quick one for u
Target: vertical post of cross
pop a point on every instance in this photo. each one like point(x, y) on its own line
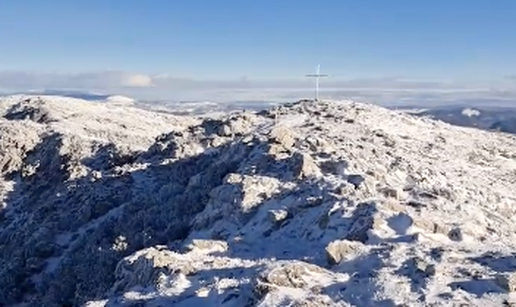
point(317, 75)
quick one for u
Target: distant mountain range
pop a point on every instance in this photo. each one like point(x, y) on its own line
point(64, 93)
point(488, 118)
point(476, 114)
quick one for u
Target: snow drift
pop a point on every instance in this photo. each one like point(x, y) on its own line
point(308, 204)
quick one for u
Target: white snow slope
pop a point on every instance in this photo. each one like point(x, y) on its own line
point(310, 204)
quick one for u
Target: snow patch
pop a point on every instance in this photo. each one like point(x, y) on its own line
point(470, 112)
point(120, 100)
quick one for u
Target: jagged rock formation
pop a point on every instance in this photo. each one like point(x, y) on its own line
point(327, 204)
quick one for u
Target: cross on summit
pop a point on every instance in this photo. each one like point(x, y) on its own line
point(317, 75)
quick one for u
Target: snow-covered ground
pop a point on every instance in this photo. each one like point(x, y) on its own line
point(309, 204)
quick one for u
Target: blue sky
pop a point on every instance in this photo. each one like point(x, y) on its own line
point(267, 39)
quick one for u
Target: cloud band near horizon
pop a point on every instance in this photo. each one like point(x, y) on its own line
point(115, 80)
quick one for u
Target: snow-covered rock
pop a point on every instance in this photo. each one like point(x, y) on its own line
point(340, 250)
point(307, 204)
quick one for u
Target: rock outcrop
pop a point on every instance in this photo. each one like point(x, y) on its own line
point(307, 204)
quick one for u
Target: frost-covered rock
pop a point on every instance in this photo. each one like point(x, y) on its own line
point(283, 136)
point(272, 284)
point(229, 127)
point(291, 274)
point(364, 219)
point(307, 204)
point(305, 167)
point(339, 250)
point(206, 246)
point(418, 268)
point(147, 268)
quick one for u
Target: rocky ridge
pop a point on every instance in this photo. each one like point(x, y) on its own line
point(307, 204)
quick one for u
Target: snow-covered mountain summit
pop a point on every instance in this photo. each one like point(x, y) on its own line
point(308, 204)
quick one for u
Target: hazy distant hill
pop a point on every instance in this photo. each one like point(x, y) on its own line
point(483, 117)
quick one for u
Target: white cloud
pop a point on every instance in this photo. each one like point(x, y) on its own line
point(136, 80)
point(387, 90)
point(20, 80)
point(106, 80)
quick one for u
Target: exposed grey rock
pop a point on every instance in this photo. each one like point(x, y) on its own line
point(455, 234)
point(305, 167)
point(298, 276)
point(291, 274)
point(417, 269)
point(206, 246)
point(283, 136)
point(506, 281)
point(390, 192)
point(433, 227)
point(30, 109)
point(146, 267)
point(364, 219)
point(393, 205)
point(355, 180)
point(339, 250)
point(346, 189)
point(336, 167)
point(321, 146)
point(228, 127)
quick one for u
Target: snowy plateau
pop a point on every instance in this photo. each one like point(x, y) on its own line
point(329, 203)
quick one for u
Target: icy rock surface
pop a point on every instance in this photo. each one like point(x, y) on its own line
point(308, 204)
